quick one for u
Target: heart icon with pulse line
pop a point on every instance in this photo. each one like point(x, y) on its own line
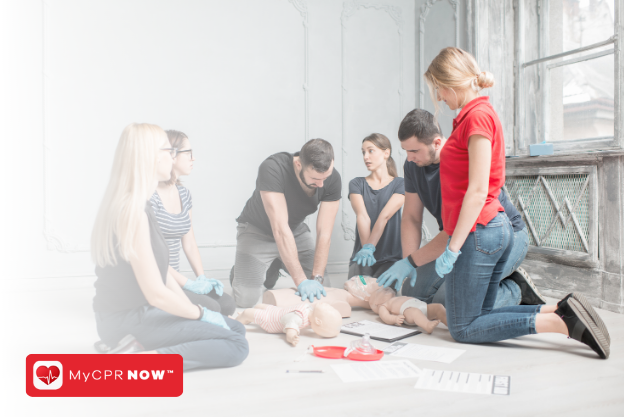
point(48, 374)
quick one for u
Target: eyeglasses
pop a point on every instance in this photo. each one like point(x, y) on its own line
point(172, 151)
point(190, 151)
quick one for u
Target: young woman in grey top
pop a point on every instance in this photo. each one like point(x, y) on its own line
point(377, 200)
point(173, 206)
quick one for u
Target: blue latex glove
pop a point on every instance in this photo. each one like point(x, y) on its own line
point(365, 256)
point(309, 289)
point(203, 285)
point(444, 264)
point(215, 318)
point(398, 272)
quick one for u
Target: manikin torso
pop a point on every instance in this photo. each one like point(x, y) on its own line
point(341, 300)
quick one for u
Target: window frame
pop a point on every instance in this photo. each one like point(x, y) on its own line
point(544, 63)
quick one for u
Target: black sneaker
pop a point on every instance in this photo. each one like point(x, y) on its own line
point(127, 345)
point(101, 347)
point(530, 293)
point(584, 324)
point(273, 273)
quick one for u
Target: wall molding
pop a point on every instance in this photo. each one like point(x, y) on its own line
point(424, 12)
point(350, 8)
point(55, 241)
point(302, 7)
point(53, 238)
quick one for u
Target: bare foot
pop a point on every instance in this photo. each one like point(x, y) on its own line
point(428, 327)
point(436, 312)
point(246, 316)
point(292, 336)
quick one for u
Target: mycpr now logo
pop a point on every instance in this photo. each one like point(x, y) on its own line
point(104, 375)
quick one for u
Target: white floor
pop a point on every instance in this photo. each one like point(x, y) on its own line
point(551, 375)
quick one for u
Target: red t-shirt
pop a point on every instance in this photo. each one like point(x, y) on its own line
point(476, 118)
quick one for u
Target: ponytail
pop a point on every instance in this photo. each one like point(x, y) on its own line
point(392, 169)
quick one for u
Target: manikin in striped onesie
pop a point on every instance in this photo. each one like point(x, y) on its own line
point(324, 319)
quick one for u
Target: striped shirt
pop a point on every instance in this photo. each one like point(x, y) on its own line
point(271, 318)
point(174, 226)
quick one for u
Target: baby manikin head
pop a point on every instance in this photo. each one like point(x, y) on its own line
point(325, 320)
point(361, 286)
point(380, 297)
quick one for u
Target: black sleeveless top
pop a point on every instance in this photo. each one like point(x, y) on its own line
point(116, 287)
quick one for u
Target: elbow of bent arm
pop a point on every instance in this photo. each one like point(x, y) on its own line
point(155, 297)
point(478, 195)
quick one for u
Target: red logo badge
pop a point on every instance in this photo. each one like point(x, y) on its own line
point(104, 375)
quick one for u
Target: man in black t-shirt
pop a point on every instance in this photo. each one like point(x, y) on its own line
point(289, 187)
point(422, 139)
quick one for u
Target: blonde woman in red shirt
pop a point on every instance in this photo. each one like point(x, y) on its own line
point(472, 172)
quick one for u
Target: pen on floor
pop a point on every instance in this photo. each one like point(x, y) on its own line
point(305, 372)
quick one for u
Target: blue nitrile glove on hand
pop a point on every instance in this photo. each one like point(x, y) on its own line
point(203, 285)
point(365, 256)
point(215, 318)
point(309, 289)
point(398, 272)
point(444, 264)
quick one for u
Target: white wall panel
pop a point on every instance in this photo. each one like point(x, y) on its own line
point(243, 78)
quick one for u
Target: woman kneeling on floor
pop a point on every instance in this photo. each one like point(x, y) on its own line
point(472, 172)
point(136, 298)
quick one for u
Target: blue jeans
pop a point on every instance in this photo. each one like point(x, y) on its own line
point(430, 288)
point(473, 283)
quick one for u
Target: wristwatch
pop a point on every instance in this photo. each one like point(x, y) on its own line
point(318, 278)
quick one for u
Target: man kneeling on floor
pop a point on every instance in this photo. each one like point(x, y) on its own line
point(289, 187)
point(422, 139)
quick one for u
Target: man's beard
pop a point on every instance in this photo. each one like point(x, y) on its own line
point(432, 154)
point(311, 187)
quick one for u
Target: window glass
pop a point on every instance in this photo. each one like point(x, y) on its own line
point(581, 97)
point(580, 23)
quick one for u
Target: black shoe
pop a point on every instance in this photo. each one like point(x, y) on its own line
point(528, 290)
point(584, 324)
point(127, 345)
point(101, 347)
point(580, 298)
point(273, 273)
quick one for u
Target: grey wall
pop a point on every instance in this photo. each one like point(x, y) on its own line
point(243, 78)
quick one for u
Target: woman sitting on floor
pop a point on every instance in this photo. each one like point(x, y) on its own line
point(137, 299)
point(377, 200)
point(173, 206)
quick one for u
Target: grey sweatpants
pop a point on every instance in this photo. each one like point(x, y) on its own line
point(255, 251)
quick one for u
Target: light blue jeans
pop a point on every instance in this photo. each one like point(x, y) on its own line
point(473, 283)
point(430, 288)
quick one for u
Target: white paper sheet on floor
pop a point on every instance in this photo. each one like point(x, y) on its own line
point(376, 371)
point(464, 382)
point(422, 352)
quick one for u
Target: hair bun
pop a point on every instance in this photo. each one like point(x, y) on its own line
point(485, 80)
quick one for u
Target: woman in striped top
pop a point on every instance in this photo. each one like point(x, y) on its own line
point(172, 204)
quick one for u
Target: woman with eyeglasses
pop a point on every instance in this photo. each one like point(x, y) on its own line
point(139, 306)
point(173, 206)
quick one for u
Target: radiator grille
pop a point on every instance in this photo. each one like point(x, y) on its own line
point(555, 209)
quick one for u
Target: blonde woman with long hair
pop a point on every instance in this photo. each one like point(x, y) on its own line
point(472, 172)
point(138, 304)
